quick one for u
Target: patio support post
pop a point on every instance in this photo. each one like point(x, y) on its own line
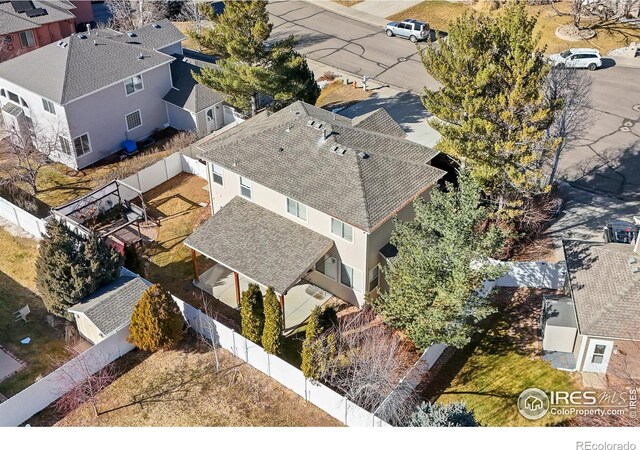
point(236, 280)
point(282, 308)
point(194, 259)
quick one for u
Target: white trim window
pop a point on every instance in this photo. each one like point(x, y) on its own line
point(374, 278)
point(328, 266)
point(350, 277)
point(216, 174)
point(133, 85)
point(344, 230)
point(82, 145)
point(245, 188)
point(14, 97)
point(297, 209)
point(49, 106)
point(27, 39)
point(65, 145)
point(133, 120)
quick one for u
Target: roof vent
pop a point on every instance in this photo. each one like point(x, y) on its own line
point(288, 128)
point(95, 42)
point(140, 56)
point(363, 155)
point(62, 44)
point(310, 122)
point(131, 34)
point(81, 36)
point(281, 149)
point(156, 25)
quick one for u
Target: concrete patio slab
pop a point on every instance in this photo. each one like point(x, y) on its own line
point(8, 365)
point(298, 302)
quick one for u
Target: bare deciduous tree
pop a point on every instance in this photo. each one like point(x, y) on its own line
point(599, 10)
point(127, 15)
point(86, 382)
point(367, 362)
point(573, 89)
point(26, 150)
point(208, 334)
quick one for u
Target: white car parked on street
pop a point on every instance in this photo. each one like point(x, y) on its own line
point(577, 58)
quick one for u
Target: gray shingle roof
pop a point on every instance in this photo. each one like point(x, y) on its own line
point(111, 306)
point(369, 178)
point(259, 243)
point(156, 35)
point(12, 21)
point(82, 66)
point(381, 122)
point(188, 93)
point(605, 289)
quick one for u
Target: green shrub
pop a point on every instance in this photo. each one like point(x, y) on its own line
point(437, 415)
point(156, 323)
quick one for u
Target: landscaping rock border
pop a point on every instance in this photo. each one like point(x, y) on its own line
point(571, 33)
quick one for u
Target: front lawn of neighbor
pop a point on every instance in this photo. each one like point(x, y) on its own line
point(17, 289)
point(609, 36)
point(181, 388)
point(491, 372)
point(336, 94)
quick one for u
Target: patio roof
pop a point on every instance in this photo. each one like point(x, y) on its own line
point(260, 244)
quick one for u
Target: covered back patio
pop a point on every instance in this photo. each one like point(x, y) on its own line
point(251, 244)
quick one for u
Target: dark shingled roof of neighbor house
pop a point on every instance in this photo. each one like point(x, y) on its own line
point(12, 21)
point(605, 285)
point(358, 175)
point(188, 93)
point(154, 36)
point(111, 306)
point(259, 243)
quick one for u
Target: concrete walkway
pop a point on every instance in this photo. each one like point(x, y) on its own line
point(384, 8)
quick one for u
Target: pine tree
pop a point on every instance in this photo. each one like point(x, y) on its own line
point(272, 333)
point(249, 65)
point(61, 270)
point(156, 323)
point(491, 111)
point(441, 264)
point(252, 313)
point(436, 415)
point(103, 262)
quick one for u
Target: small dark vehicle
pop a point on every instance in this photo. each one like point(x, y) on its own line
point(620, 231)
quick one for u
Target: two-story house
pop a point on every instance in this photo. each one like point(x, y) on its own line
point(28, 25)
point(93, 91)
point(303, 200)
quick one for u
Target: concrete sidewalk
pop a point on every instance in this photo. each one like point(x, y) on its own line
point(384, 8)
point(351, 13)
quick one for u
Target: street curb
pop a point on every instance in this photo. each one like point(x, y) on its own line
point(622, 61)
point(360, 16)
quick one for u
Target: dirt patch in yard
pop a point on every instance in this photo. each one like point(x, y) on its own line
point(339, 95)
point(182, 388)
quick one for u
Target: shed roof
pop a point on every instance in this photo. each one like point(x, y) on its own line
point(111, 306)
point(260, 244)
point(605, 285)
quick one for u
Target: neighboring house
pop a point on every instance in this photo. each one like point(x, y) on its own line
point(597, 328)
point(28, 25)
point(109, 308)
point(83, 11)
point(306, 197)
point(92, 91)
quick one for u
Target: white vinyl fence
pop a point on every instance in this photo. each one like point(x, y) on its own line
point(28, 222)
point(321, 396)
point(35, 398)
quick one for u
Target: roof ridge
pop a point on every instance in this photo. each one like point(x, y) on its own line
point(65, 83)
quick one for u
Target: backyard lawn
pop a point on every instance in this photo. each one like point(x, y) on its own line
point(609, 36)
point(182, 388)
point(17, 289)
point(490, 373)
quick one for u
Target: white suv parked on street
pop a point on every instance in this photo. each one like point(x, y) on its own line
point(577, 58)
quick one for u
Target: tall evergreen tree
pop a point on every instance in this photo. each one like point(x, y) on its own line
point(61, 271)
point(103, 261)
point(441, 264)
point(310, 346)
point(249, 65)
point(272, 333)
point(491, 109)
point(436, 415)
point(252, 313)
point(156, 322)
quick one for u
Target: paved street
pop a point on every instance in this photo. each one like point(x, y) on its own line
point(603, 167)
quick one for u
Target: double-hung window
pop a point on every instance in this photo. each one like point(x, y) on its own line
point(598, 354)
point(344, 230)
point(81, 145)
point(350, 277)
point(14, 97)
point(374, 277)
point(65, 146)
point(245, 188)
point(216, 174)
point(133, 84)
point(27, 39)
point(296, 209)
point(328, 266)
point(49, 106)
